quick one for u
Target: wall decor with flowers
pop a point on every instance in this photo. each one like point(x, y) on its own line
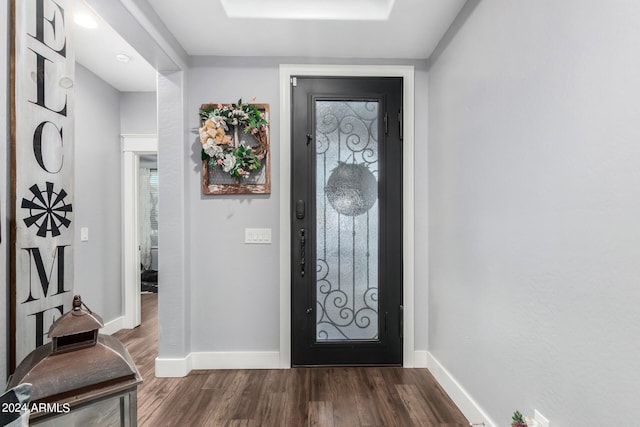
point(235, 148)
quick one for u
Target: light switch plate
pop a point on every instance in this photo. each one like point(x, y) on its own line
point(84, 234)
point(257, 236)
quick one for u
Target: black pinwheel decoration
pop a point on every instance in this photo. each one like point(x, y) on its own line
point(47, 210)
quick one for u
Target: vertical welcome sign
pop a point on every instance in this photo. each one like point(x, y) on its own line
point(42, 131)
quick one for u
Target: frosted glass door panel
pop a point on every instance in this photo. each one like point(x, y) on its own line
point(347, 220)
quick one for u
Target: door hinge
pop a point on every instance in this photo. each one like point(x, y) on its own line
point(294, 81)
point(400, 120)
point(401, 321)
point(386, 123)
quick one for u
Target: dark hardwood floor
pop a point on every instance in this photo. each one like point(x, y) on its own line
point(332, 396)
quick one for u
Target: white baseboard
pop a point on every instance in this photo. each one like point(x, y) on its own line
point(169, 368)
point(113, 326)
point(236, 360)
point(457, 393)
point(217, 360)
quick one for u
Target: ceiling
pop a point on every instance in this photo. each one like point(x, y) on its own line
point(97, 48)
point(381, 29)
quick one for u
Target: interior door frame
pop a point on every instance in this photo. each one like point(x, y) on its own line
point(287, 72)
point(133, 146)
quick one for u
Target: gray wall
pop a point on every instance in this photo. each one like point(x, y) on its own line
point(235, 287)
point(534, 208)
point(226, 292)
point(4, 186)
point(138, 113)
point(174, 278)
point(97, 199)
point(421, 210)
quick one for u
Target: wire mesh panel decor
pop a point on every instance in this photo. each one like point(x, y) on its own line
point(236, 143)
point(347, 220)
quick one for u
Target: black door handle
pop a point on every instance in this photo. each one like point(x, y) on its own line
point(303, 243)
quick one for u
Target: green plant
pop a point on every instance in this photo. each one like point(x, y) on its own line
point(518, 420)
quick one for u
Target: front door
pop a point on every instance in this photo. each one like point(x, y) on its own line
point(346, 221)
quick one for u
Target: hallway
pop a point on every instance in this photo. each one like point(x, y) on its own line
point(332, 396)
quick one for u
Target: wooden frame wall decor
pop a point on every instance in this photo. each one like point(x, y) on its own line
point(214, 179)
point(42, 170)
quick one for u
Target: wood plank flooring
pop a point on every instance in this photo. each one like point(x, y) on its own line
point(331, 396)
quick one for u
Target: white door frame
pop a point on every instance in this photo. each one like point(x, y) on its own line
point(407, 73)
point(133, 146)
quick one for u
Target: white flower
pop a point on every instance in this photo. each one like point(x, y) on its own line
point(207, 145)
point(220, 121)
point(228, 163)
point(212, 149)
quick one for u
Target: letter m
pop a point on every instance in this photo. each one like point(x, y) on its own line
point(45, 277)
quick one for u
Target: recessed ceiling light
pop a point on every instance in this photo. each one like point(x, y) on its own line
point(122, 57)
point(85, 21)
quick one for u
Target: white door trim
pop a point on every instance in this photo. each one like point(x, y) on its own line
point(286, 73)
point(132, 147)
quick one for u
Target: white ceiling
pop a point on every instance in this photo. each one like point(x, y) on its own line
point(413, 29)
point(96, 49)
point(293, 29)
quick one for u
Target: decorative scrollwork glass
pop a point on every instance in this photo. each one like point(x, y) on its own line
point(347, 220)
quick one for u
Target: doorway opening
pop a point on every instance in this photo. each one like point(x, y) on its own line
point(136, 150)
point(148, 225)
